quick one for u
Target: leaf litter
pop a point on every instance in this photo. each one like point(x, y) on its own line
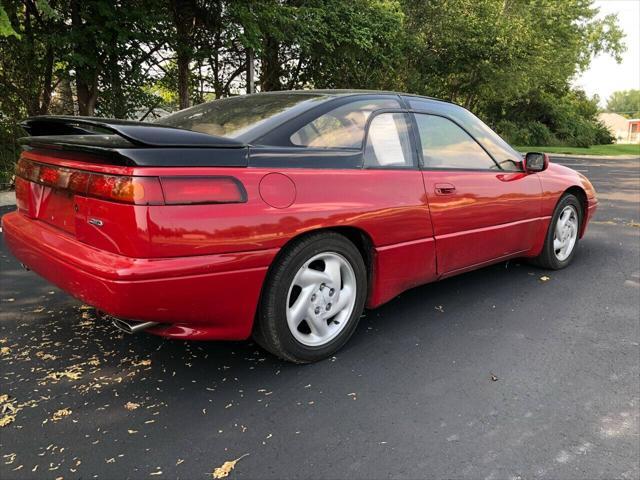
point(225, 469)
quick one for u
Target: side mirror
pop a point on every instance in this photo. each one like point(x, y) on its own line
point(535, 162)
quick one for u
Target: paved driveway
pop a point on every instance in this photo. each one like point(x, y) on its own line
point(411, 396)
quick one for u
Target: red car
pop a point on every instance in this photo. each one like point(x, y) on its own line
point(281, 215)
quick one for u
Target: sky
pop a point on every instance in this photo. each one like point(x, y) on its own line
point(604, 75)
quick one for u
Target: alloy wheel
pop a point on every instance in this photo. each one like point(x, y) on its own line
point(321, 298)
point(565, 233)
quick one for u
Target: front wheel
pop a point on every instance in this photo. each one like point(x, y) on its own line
point(562, 237)
point(312, 299)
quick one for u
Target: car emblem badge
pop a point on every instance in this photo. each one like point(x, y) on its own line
point(96, 222)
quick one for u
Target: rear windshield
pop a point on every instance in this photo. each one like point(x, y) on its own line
point(237, 116)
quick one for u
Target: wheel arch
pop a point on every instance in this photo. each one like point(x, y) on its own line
point(358, 236)
point(581, 195)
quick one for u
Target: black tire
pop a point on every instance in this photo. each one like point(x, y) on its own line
point(271, 330)
point(547, 258)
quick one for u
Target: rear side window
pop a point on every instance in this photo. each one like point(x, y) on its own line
point(342, 127)
point(446, 145)
point(388, 142)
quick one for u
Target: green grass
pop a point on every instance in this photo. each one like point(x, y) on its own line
point(615, 149)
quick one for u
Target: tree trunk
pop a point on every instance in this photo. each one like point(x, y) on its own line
point(184, 16)
point(87, 97)
point(271, 68)
point(250, 72)
point(86, 75)
point(118, 102)
point(63, 103)
point(183, 79)
point(47, 83)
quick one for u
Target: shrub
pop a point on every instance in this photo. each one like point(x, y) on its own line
point(539, 134)
point(603, 135)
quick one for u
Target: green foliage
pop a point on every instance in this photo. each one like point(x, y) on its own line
point(6, 29)
point(625, 102)
point(548, 119)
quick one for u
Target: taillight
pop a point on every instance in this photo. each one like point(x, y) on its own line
point(192, 190)
point(125, 189)
point(117, 188)
point(133, 189)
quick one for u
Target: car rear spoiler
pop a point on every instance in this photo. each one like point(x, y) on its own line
point(137, 133)
point(124, 142)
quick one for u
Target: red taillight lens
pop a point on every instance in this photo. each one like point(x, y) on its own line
point(78, 182)
point(117, 188)
point(192, 190)
point(48, 176)
point(137, 190)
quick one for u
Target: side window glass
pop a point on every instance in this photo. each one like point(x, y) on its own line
point(342, 127)
point(388, 142)
point(446, 145)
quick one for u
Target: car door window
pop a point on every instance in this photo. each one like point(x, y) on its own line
point(388, 142)
point(446, 145)
point(342, 127)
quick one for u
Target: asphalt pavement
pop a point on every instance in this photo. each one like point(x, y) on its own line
point(496, 374)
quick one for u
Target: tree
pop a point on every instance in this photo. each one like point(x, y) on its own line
point(625, 102)
point(110, 45)
point(326, 43)
point(6, 29)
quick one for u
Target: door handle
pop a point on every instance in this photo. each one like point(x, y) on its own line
point(445, 189)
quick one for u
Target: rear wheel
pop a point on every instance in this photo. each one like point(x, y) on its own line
point(312, 299)
point(562, 237)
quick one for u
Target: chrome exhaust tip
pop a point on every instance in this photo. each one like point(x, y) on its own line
point(131, 327)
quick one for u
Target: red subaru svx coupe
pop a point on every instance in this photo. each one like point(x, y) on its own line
point(281, 215)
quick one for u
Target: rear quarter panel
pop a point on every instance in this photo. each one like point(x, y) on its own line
point(388, 205)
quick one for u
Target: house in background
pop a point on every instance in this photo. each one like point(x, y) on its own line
point(623, 129)
point(634, 130)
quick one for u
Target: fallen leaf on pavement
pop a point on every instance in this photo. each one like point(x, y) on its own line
point(73, 373)
point(142, 363)
point(45, 356)
point(544, 278)
point(6, 420)
point(225, 469)
point(60, 414)
point(131, 405)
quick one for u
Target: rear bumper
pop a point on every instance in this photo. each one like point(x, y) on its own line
point(203, 297)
